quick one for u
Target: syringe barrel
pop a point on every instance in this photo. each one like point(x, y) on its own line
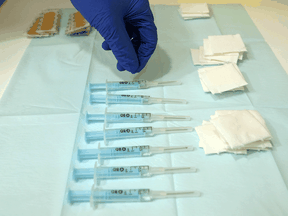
point(121, 172)
point(119, 99)
point(127, 117)
point(121, 133)
point(119, 195)
point(113, 153)
point(124, 117)
point(116, 86)
point(127, 99)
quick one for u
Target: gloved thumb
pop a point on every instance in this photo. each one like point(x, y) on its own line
point(105, 46)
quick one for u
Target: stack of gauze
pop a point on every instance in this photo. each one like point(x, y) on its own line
point(194, 10)
point(219, 49)
point(234, 131)
point(218, 79)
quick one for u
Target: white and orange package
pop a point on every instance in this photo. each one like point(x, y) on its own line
point(78, 25)
point(45, 25)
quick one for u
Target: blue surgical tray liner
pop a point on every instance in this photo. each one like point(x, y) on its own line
point(231, 185)
point(35, 154)
point(39, 115)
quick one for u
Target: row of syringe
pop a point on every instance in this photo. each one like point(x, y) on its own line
point(126, 117)
point(96, 195)
point(129, 99)
point(111, 153)
point(99, 173)
point(132, 132)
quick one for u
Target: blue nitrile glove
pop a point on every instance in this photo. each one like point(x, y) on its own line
point(127, 27)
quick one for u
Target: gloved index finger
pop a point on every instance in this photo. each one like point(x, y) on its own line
point(147, 34)
point(112, 28)
point(148, 43)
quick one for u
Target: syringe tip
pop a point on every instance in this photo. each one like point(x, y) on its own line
point(184, 194)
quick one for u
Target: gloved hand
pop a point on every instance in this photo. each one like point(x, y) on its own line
point(127, 27)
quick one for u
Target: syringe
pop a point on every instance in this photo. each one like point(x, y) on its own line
point(98, 196)
point(133, 132)
point(103, 173)
point(132, 99)
point(127, 152)
point(126, 117)
point(129, 85)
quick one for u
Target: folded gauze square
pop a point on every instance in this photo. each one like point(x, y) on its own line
point(255, 113)
point(258, 145)
point(194, 16)
point(199, 60)
point(206, 89)
point(219, 79)
point(210, 137)
point(194, 8)
point(207, 48)
point(240, 128)
point(228, 58)
point(212, 142)
point(206, 61)
point(226, 44)
point(224, 57)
